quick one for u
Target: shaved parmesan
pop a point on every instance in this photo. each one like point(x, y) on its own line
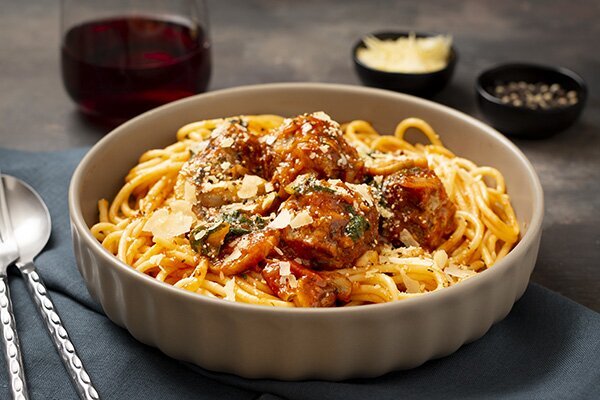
point(440, 258)
point(322, 116)
point(364, 191)
point(167, 225)
point(227, 142)
point(156, 259)
point(408, 239)
point(198, 147)
point(412, 286)
point(269, 139)
point(250, 185)
point(458, 272)
point(183, 207)
point(284, 268)
point(306, 127)
point(269, 187)
point(384, 212)
point(230, 290)
point(292, 281)
point(189, 192)
point(281, 220)
point(235, 254)
point(303, 218)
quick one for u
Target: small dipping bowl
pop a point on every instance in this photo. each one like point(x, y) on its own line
point(420, 84)
point(521, 121)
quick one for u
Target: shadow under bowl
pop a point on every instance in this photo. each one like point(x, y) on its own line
point(423, 85)
point(526, 122)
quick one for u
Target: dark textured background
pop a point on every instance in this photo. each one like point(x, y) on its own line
point(276, 41)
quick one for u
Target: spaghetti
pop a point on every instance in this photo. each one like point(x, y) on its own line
point(157, 224)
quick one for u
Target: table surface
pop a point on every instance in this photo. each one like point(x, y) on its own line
point(263, 41)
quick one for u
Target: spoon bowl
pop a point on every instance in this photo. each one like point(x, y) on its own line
point(30, 218)
point(32, 227)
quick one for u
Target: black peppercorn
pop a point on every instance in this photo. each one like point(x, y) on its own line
point(534, 95)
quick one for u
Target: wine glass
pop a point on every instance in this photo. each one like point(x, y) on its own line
point(120, 58)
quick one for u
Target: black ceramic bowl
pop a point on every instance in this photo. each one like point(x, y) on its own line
point(425, 85)
point(526, 122)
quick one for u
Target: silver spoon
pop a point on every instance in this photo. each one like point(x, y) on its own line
point(32, 226)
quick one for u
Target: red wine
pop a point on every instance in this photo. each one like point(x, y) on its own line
point(118, 68)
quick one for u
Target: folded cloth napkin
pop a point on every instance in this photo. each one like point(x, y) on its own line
point(547, 348)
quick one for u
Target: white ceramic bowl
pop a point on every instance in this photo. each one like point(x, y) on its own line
point(291, 344)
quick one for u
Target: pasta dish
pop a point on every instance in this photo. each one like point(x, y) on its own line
point(305, 212)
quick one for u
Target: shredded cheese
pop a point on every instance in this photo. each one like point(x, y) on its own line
point(406, 54)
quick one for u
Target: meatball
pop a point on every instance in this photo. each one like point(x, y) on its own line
point(312, 143)
point(420, 205)
point(332, 222)
point(230, 153)
point(304, 287)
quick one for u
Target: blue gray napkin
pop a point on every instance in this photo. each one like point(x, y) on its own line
point(547, 348)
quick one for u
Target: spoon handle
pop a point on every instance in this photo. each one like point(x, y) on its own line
point(12, 351)
point(79, 377)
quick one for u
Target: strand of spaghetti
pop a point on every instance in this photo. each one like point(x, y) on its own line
point(391, 144)
point(132, 251)
point(419, 124)
point(156, 195)
point(153, 250)
point(150, 175)
point(246, 297)
point(203, 127)
point(369, 293)
point(124, 241)
point(141, 167)
point(101, 229)
point(505, 231)
point(476, 241)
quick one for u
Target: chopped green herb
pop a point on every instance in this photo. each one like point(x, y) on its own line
point(307, 185)
point(356, 227)
point(208, 239)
